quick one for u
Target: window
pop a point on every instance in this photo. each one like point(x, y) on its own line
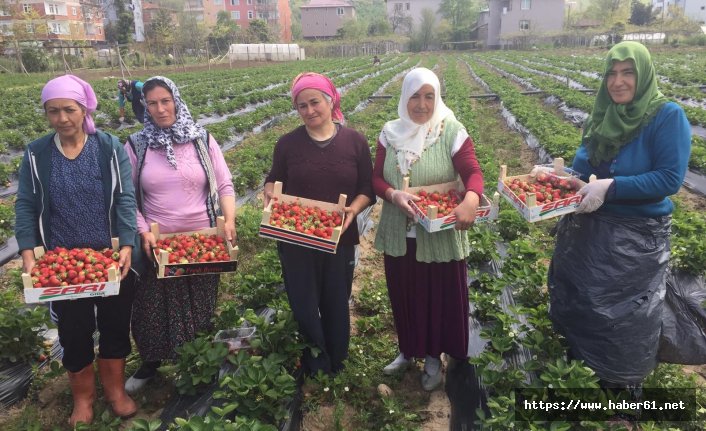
point(52, 9)
point(339, 11)
point(524, 24)
point(407, 6)
point(30, 28)
point(100, 30)
point(398, 7)
point(3, 13)
point(235, 14)
point(27, 8)
point(250, 14)
point(234, 2)
point(56, 28)
point(249, 1)
point(73, 10)
point(218, 2)
point(263, 15)
point(526, 4)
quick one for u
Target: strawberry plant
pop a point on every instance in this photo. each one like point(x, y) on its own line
point(198, 363)
point(19, 329)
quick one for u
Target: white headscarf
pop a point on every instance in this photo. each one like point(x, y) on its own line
point(406, 137)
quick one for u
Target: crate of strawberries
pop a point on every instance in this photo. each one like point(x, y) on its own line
point(305, 222)
point(434, 210)
point(204, 251)
point(549, 193)
point(62, 273)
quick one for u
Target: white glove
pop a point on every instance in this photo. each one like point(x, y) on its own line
point(401, 200)
point(121, 119)
point(593, 195)
point(539, 168)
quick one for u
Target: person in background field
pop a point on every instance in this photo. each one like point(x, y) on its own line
point(75, 192)
point(132, 92)
point(183, 184)
point(607, 276)
point(320, 160)
point(376, 60)
point(426, 273)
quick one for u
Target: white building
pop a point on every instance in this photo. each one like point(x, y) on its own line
point(693, 9)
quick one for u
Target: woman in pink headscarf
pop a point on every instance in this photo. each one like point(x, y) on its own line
point(320, 160)
point(75, 190)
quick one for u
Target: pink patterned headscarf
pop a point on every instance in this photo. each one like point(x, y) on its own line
point(319, 82)
point(74, 88)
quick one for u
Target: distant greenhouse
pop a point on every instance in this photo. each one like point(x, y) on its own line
point(265, 52)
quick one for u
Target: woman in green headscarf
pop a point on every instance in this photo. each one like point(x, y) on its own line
point(607, 277)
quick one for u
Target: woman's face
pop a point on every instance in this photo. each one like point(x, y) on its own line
point(161, 107)
point(65, 116)
point(621, 82)
point(420, 106)
point(313, 108)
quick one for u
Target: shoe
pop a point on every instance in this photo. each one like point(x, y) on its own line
point(112, 375)
point(398, 365)
point(431, 381)
point(144, 374)
point(432, 377)
point(83, 390)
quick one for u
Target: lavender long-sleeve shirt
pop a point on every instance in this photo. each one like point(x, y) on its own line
point(176, 198)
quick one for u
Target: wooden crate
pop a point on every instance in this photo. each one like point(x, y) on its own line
point(485, 212)
point(531, 211)
point(172, 270)
point(299, 238)
point(48, 294)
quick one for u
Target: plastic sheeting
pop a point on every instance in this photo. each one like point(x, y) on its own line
point(607, 289)
point(683, 339)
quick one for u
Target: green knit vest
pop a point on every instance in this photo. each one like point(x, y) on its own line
point(433, 167)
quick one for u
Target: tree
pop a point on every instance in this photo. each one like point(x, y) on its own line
point(223, 34)
point(425, 35)
point(400, 21)
point(609, 11)
point(352, 29)
point(26, 26)
point(125, 28)
point(459, 14)
point(641, 14)
point(379, 27)
point(160, 32)
point(259, 32)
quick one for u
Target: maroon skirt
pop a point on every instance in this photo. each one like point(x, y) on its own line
point(429, 304)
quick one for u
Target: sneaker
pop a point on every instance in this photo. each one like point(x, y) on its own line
point(144, 374)
point(398, 365)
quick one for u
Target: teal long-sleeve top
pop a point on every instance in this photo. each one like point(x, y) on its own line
point(646, 170)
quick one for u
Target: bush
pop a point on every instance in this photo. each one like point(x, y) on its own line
point(34, 60)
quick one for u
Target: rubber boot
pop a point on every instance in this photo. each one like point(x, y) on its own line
point(83, 389)
point(112, 374)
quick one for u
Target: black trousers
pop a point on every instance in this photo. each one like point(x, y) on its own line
point(78, 319)
point(318, 286)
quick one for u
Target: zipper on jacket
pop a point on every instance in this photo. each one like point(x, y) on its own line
point(33, 168)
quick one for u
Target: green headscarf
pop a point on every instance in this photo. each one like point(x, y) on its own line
point(610, 125)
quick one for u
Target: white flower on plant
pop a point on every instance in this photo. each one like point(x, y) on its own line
point(392, 411)
point(346, 389)
point(326, 389)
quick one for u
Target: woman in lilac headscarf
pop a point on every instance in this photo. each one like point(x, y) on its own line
point(75, 190)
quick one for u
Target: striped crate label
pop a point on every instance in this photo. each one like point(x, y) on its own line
point(298, 238)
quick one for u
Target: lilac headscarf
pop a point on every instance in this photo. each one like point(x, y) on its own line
point(74, 88)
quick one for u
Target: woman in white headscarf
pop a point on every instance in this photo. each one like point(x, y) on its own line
point(426, 273)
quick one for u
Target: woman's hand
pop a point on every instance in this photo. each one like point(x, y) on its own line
point(230, 232)
point(28, 261)
point(401, 200)
point(349, 218)
point(148, 243)
point(268, 193)
point(124, 261)
point(466, 211)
